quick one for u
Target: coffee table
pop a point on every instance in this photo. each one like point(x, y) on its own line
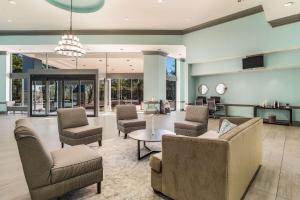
point(146, 135)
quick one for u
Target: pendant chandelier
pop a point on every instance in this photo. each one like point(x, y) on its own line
point(69, 44)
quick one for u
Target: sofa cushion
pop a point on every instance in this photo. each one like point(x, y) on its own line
point(156, 162)
point(82, 131)
point(211, 134)
point(189, 125)
point(132, 123)
point(74, 161)
point(226, 126)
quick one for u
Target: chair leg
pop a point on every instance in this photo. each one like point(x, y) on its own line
point(119, 132)
point(62, 145)
point(99, 188)
point(125, 135)
point(100, 143)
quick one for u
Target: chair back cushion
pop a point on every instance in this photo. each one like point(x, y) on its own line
point(71, 118)
point(197, 114)
point(36, 160)
point(126, 112)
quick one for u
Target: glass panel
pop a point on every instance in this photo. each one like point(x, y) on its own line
point(38, 98)
point(125, 91)
point(115, 93)
point(88, 96)
point(171, 66)
point(71, 94)
point(55, 96)
point(17, 91)
point(137, 92)
point(171, 94)
point(101, 95)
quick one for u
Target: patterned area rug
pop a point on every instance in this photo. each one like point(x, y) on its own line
point(124, 176)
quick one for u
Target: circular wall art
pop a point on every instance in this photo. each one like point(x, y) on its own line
point(203, 89)
point(79, 6)
point(221, 88)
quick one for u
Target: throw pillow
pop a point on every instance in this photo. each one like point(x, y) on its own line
point(226, 126)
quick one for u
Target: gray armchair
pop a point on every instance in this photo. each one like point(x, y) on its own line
point(195, 123)
point(127, 119)
point(74, 128)
point(52, 174)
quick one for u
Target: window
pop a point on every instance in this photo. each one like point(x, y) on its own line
point(171, 82)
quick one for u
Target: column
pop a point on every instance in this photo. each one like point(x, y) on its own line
point(180, 90)
point(4, 79)
point(154, 75)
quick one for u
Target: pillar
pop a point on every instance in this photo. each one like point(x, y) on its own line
point(154, 75)
point(4, 80)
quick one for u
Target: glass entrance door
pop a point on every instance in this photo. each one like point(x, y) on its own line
point(52, 92)
point(38, 98)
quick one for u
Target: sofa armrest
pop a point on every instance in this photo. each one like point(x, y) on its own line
point(194, 168)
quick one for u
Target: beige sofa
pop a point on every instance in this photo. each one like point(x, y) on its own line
point(195, 123)
point(52, 174)
point(74, 128)
point(207, 167)
point(127, 119)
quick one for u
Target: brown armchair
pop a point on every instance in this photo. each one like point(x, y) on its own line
point(74, 128)
point(127, 119)
point(52, 174)
point(195, 123)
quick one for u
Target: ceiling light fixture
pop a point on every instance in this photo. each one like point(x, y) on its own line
point(288, 4)
point(160, 1)
point(126, 19)
point(9, 20)
point(69, 44)
point(12, 2)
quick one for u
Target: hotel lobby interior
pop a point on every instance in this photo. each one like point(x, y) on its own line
point(150, 99)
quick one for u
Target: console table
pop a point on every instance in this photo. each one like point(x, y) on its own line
point(281, 122)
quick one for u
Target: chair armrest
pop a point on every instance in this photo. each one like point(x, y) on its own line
point(194, 168)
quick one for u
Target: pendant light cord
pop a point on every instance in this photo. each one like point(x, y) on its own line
point(71, 16)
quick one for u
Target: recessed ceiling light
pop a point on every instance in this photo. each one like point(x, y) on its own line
point(128, 60)
point(12, 2)
point(160, 1)
point(9, 20)
point(158, 49)
point(100, 60)
point(130, 65)
point(126, 19)
point(83, 65)
point(121, 49)
point(288, 4)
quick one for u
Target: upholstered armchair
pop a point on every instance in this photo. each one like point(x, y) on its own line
point(74, 128)
point(127, 119)
point(52, 174)
point(195, 123)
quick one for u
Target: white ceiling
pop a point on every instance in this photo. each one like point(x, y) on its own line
point(119, 14)
point(275, 9)
point(116, 62)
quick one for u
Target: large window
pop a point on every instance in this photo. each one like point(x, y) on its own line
point(171, 82)
point(126, 91)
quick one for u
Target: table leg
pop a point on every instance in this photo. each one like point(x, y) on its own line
point(291, 117)
point(139, 157)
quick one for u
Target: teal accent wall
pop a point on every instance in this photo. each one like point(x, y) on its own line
point(238, 38)
point(215, 56)
point(256, 87)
